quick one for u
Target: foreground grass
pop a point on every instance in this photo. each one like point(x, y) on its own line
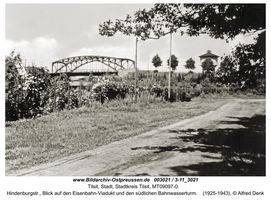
point(45, 139)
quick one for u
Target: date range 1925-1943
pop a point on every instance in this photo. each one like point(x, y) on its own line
point(232, 193)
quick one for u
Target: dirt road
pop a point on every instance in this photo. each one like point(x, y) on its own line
point(227, 141)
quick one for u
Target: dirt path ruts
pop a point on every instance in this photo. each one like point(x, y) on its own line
point(170, 150)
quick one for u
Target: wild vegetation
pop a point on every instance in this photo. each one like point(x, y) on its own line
point(31, 91)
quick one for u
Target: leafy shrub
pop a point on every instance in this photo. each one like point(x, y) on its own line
point(26, 89)
point(156, 90)
point(61, 96)
point(109, 90)
point(13, 86)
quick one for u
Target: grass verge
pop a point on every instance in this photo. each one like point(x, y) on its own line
point(35, 141)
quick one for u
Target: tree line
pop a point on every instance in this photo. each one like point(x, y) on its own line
point(157, 62)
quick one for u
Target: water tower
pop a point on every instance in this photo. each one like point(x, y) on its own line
point(209, 55)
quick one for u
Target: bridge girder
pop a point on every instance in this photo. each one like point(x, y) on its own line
point(70, 64)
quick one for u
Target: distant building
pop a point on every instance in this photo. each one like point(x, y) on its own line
point(210, 55)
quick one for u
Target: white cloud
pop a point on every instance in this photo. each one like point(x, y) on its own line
point(40, 50)
point(42, 42)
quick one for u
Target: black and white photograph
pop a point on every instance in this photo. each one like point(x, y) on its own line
point(128, 90)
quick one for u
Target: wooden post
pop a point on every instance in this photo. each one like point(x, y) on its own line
point(136, 70)
point(80, 94)
point(54, 108)
point(169, 69)
point(69, 95)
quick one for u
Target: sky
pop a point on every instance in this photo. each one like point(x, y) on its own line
point(43, 33)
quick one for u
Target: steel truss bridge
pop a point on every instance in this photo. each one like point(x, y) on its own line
point(71, 65)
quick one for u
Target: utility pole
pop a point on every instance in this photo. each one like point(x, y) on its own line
point(136, 70)
point(169, 69)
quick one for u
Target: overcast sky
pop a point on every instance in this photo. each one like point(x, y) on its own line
point(43, 33)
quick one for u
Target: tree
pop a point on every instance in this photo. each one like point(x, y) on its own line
point(208, 67)
point(193, 19)
point(227, 72)
point(174, 62)
point(250, 60)
point(143, 24)
point(245, 66)
point(156, 61)
point(190, 64)
point(230, 19)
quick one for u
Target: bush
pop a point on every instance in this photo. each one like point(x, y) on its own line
point(61, 95)
point(26, 89)
point(109, 90)
point(156, 90)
